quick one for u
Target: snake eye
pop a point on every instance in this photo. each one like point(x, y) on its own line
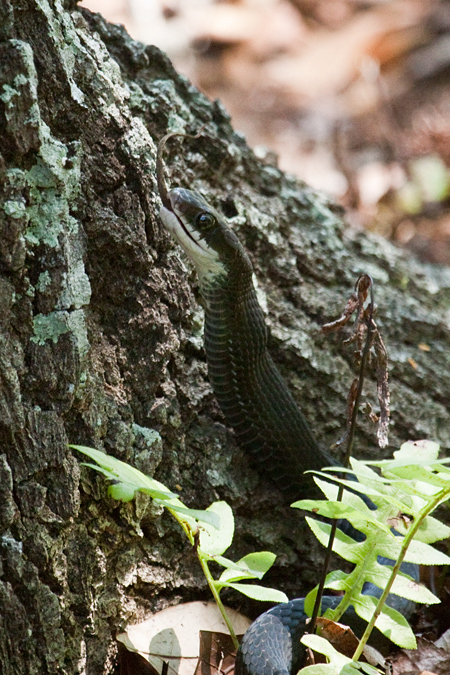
point(205, 221)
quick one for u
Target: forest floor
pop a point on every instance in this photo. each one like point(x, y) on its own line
point(352, 96)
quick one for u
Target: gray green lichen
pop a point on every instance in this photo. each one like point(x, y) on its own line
point(48, 327)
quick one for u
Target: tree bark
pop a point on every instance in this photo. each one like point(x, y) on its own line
point(101, 336)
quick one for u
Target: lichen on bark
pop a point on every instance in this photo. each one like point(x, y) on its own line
point(100, 335)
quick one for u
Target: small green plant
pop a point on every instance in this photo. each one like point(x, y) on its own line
point(411, 486)
point(209, 531)
point(406, 492)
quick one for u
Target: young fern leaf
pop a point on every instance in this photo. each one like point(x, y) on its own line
point(338, 664)
point(405, 495)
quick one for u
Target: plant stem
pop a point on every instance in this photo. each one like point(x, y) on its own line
point(183, 523)
point(212, 584)
point(346, 462)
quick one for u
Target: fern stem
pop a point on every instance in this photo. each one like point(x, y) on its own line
point(346, 461)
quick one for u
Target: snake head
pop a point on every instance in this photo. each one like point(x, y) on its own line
point(203, 234)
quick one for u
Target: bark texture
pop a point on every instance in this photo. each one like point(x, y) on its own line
point(101, 335)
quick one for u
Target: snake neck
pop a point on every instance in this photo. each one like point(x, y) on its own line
point(249, 388)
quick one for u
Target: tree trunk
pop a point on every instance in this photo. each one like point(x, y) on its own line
point(101, 336)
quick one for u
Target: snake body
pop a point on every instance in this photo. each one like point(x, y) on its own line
point(249, 388)
point(254, 399)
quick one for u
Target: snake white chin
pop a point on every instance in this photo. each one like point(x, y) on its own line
point(205, 259)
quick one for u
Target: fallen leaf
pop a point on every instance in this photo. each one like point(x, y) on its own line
point(172, 635)
point(132, 663)
point(444, 641)
point(217, 654)
point(427, 658)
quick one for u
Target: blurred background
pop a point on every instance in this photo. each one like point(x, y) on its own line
point(351, 96)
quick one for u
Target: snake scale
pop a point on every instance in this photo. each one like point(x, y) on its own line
point(253, 397)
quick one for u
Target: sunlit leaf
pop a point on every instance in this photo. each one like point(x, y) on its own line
point(123, 492)
point(413, 451)
point(216, 541)
point(258, 562)
point(390, 622)
point(403, 585)
point(205, 517)
point(339, 510)
point(115, 469)
point(252, 566)
point(421, 474)
point(257, 592)
point(423, 554)
point(432, 530)
point(337, 661)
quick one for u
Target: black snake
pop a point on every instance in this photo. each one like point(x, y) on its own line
point(253, 397)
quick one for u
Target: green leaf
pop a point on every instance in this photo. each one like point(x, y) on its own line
point(418, 451)
point(232, 575)
point(126, 480)
point(403, 584)
point(413, 484)
point(370, 670)
point(345, 546)
point(423, 475)
point(116, 470)
point(121, 491)
point(310, 601)
point(431, 530)
point(409, 493)
point(215, 533)
point(329, 509)
point(205, 517)
point(258, 562)
point(251, 566)
point(112, 476)
point(216, 541)
point(256, 592)
point(410, 589)
point(338, 663)
point(337, 580)
point(441, 465)
point(377, 494)
point(390, 622)
point(106, 473)
point(322, 646)
point(349, 497)
point(341, 510)
point(225, 562)
point(423, 554)
point(363, 472)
